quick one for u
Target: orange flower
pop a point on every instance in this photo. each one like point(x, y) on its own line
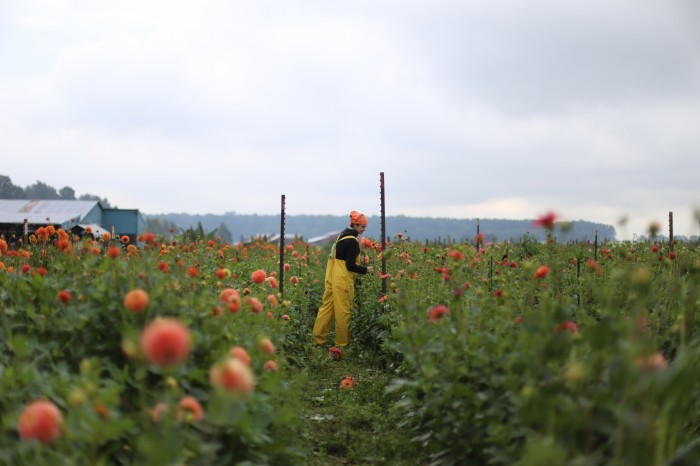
point(124, 239)
point(193, 272)
point(40, 420)
point(158, 411)
point(190, 409)
point(272, 301)
point(542, 271)
point(136, 300)
point(347, 383)
point(232, 375)
point(270, 366)
point(653, 362)
point(106, 237)
point(254, 304)
point(101, 410)
point(239, 352)
point(456, 255)
point(258, 276)
point(114, 252)
point(148, 237)
point(266, 346)
point(272, 281)
point(231, 298)
point(165, 342)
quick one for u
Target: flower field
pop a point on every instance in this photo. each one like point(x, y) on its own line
point(185, 352)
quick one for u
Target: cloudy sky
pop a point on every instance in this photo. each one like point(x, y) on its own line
point(490, 109)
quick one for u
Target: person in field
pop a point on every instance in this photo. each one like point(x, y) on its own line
point(341, 270)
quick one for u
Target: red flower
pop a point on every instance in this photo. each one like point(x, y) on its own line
point(568, 325)
point(335, 353)
point(546, 221)
point(437, 312)
point(258, 276)
point(64, 296)
point(498, 293)
point(456, 255)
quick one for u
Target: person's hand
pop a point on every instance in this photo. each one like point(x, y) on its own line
point(370, 269)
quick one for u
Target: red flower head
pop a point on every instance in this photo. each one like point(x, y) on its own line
point(335, 353)
point(437, 312)
point(546, 221)
point(258, 276)
point(568, 325)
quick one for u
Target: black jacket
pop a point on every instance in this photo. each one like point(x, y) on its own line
point(348, 250)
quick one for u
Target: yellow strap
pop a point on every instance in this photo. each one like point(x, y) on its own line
point(332, 254)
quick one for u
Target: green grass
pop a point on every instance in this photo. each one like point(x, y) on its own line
point(351, 426)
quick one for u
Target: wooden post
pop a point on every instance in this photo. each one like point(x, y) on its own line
point(382, 206)
point(25, 235)
point(281, 271)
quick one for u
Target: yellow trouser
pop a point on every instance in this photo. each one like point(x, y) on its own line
point(337, 300)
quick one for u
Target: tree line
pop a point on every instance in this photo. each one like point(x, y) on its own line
point(41, 190)
point(233, 227)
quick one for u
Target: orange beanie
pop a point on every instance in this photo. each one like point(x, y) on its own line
point(357, 218)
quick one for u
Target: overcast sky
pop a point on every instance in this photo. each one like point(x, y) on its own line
point(490, 109)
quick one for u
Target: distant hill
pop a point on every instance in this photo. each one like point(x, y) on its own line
point(416, 228)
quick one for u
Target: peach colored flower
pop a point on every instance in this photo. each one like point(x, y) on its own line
point(232, 375)
point(40, 420)
point(254, 304)
point(136, 300)
point(165, 342)
point(190, 409)
point(266, 346)
point(270, 366)
point(239, 352)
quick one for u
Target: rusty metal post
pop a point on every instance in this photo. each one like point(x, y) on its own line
point(281, 271)
point(383, 227)
point(670, 231)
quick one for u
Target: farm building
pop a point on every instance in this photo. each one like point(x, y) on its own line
point(20, 216)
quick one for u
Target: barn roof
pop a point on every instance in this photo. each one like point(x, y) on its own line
point(44, 211)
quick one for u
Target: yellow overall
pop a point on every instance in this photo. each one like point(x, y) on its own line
point(337, 300)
